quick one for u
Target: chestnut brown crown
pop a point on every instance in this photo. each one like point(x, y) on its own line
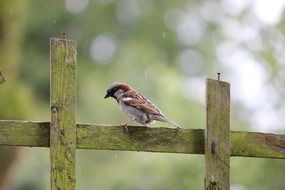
point(115, 87)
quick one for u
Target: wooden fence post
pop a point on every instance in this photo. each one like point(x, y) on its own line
point(217, 137)
point(63, 113)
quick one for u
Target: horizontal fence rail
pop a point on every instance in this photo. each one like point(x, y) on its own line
point(104, 137)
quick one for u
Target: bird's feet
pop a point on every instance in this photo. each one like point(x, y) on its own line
point(125, 127)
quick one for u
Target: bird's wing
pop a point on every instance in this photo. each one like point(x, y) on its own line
point(135, 99)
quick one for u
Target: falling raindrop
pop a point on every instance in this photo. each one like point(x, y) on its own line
point(146, 73)
point(116, 156)
point(163, 35)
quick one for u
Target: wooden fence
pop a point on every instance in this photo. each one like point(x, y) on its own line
point(63, 135)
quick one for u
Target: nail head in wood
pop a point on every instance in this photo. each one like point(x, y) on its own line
point(53, 109)
point(213, 147)
point(64, 34)
point(219, 75)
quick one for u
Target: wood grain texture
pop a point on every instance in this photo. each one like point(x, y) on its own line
point(24, 133)
point(63, 114)
point(217, 139)
point(106, 137)
point(141, 139)
point(253, 144)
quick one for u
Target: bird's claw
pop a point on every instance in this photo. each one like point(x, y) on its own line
point(125, 126)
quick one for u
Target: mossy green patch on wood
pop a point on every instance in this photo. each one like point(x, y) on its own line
point(63, 114)
point(252, 144)
point(107, 137)
point(141, 139)
point(24, 133)
point(217, 138)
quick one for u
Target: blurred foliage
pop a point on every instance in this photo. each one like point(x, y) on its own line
point(164, 49)
point(14, 97)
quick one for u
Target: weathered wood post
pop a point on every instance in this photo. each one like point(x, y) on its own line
point(63, 113)
point(217, 136)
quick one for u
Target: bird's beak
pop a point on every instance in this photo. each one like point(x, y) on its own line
point(107, 95)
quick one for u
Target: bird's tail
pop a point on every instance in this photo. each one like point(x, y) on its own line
point(165, 119)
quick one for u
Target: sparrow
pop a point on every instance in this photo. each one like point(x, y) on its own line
point(136, 106)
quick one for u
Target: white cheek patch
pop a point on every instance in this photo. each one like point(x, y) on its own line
point(127, 99)
point(118, 93)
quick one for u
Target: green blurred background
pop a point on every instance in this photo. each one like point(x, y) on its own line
point(165, 49)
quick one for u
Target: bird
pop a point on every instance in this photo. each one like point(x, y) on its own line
point(136, 106)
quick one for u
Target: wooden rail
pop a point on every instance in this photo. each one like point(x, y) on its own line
point(104, 137)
